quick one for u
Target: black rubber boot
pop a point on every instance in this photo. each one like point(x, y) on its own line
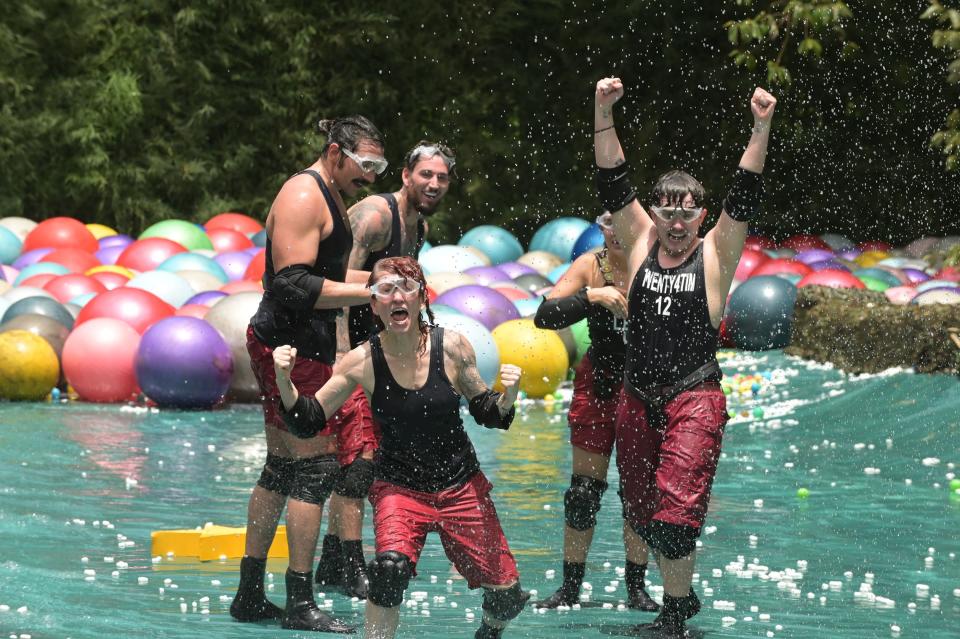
point(330, 566)
point(251, 603)
point(669, 624)
point(637, 597)
point(356, 583)
point(569, 591)
point(488, 632)
point(302, 612)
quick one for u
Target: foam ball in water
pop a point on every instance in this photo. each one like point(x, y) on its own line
point(539, 352)
point(61, 232)
point(483, 304)
point(137, 307)
point(488, 356)
point(10, 246)
point(447, 257)
point(170, 287)
point(147, 254)
point(234, 221)
point(760, 313)
point(231, 315)
point(28, 366)
point(20, 226)
point(194, 262)
point(499, 244)
point(184, 362)
point(559, 236)
point(803, 493)
point(225, 240)
point(98, 360)
point(186, 234)
point(46, 306)
point(66, 287)
point(834, 278)
point(591, 238)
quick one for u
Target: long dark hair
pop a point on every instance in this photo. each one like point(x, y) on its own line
point(348, 132)
point(406, 267)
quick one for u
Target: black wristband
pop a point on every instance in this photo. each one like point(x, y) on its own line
point(306, 418)
point(562, 311)
point(743, 202)
point(613, 187)
point(484, 409)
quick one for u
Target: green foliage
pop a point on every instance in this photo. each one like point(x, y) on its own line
point(947, 139)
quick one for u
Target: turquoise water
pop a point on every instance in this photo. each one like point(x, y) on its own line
point(85, 481)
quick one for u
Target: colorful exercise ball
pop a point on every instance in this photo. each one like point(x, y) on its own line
point(591, 238)
point(41, 325)
point(200, 281)
point(540, 261)
point(511, 291)
point(486, 275)
point(234, 263)
point(900, 295)
point(581, 334)
point(170, 287)
point(29, 368)
point(231, 316)
point(110, 279)
point(66, 287)
point(40, 306)
point(811, 255)
point(540, 353)
point(444, 281)
point(483, 304)
point(488, 357)
point(881, 274)
point(98, 360)
point(937, 296)
point(238, 222)
point(243, 286)
point(192, 310)
point(558, 271)
point(834, 278)
point(137, 307)
point(260, 239)
point(100, 231)
point(750, 259)
point(836, 241)
point(18, 293)
point(559, 236)
point(781, 266)
point(10, 246)
point(30, 257)
point(194, 262)
point(759, 243)
point(186, 234)
point(533, 282)
point(803, 242)
point(224, 240)
point(184, 362)
point(257, 267)
point(38, 268)
point(61, 232)
point(867, 259)
point(760, 313)
point(498, 244)
point(147, 254)
point(20, 226)
point(110, 254)
point(119, 239)
point(448, 257)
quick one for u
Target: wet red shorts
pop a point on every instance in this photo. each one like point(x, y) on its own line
point(464, 516)
point(667, 475)
point(592, 420)
point(308, 376)
point(358, 432)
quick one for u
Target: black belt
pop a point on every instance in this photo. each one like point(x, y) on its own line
point(659, 396)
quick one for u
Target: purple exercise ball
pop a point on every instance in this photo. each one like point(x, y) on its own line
point(115, 240)
point(109, 254)
point(822, 265)
point(487, 275)
point(486, 305)
point(810, 256)
point(235, 263)
point(515, 269)
point(30, 257)
point(207, 298)
point(184, 362)
point(915, 275)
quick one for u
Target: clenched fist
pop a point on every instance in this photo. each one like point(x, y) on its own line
point(510, 380)
point(609, 90)
point(762, 105)
point(284, 357)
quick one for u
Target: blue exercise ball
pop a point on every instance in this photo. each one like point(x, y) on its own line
point(46, 306)
point(499, 244)
point(559, 236)
point(10, 246)
point(760, 313)
point(488, 356)
point(194, 262)
point(590, 239)
point(259, 238)
point(558, 271)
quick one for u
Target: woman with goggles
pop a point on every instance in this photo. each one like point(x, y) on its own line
point(593, 288)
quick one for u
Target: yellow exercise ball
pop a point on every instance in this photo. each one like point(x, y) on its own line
point(539, 352)
point(100, 230)
point(541, 261)
point(870, 258)
point(29, 367)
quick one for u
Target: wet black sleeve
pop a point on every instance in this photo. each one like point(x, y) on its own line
point(743, 201)
point(296, 288)
point(614, 189)
point(485, 411)
point(562, 311)
point(306, 418)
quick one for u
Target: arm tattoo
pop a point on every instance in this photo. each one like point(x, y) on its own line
point(468, 377)
point(371, 231)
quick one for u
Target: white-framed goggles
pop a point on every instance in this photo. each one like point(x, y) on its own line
point(387, 288)
point(367, 164)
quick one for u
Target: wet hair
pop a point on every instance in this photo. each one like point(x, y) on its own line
point(348, 132)
point(416, 154)
point(674, 186)
point(406, 267)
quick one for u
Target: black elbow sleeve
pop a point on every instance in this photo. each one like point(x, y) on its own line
point(484, 409)
point(614, 189)
point(296, 288)
point(743, 201)
point(306, 418)
point(562, 311)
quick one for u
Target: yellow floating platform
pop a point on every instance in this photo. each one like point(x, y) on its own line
point(211, 542)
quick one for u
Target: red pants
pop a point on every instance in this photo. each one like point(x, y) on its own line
point(464, 516)
point(358, 432)
point(592, 420)
point(667, 474)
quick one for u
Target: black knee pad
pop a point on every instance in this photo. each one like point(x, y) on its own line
point(277, 474)
point(581, 503)
point(355, 480)
point(389, 574)
point(504, 604)
point(670, 540)
point(314, 478)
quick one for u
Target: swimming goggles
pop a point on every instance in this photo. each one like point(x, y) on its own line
point(367, 164)
point(671, 213)
point(386, 288)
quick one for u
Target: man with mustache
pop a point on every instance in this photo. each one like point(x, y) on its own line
point(306, 283)
point(384, 225)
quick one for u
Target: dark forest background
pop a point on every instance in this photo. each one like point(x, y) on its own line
point(126, 113)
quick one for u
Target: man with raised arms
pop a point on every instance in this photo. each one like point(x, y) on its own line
point(672, 413)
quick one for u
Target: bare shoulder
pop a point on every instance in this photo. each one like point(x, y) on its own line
point(370, 221)
point(456, 346)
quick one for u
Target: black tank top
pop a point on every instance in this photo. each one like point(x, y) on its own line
point(312, 332)
point(424, 445)
point(606, 331)
point(362, 324)
point(669, 334)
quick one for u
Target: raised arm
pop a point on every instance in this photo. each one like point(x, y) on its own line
point(306, 416)
point(570, 299)
point(488, 408)
point(630, 221)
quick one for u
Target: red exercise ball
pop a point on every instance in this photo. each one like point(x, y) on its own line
point(149, 253)
point(67, 287)
point(192, 310)
point(949, 273)
point(98, 360)
point(431, 294)
point(834, 278)
point(749, 260)
point(137, 307)
point(60, 232)
point(234, 221)
point(40, 280)
point(803, 242)
point(76, 260)
point(781, 266)
point(110, 279)
point(256, 267)
point(242, 286)
point(759, 243)
point(225, 240)
point(511, 293)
